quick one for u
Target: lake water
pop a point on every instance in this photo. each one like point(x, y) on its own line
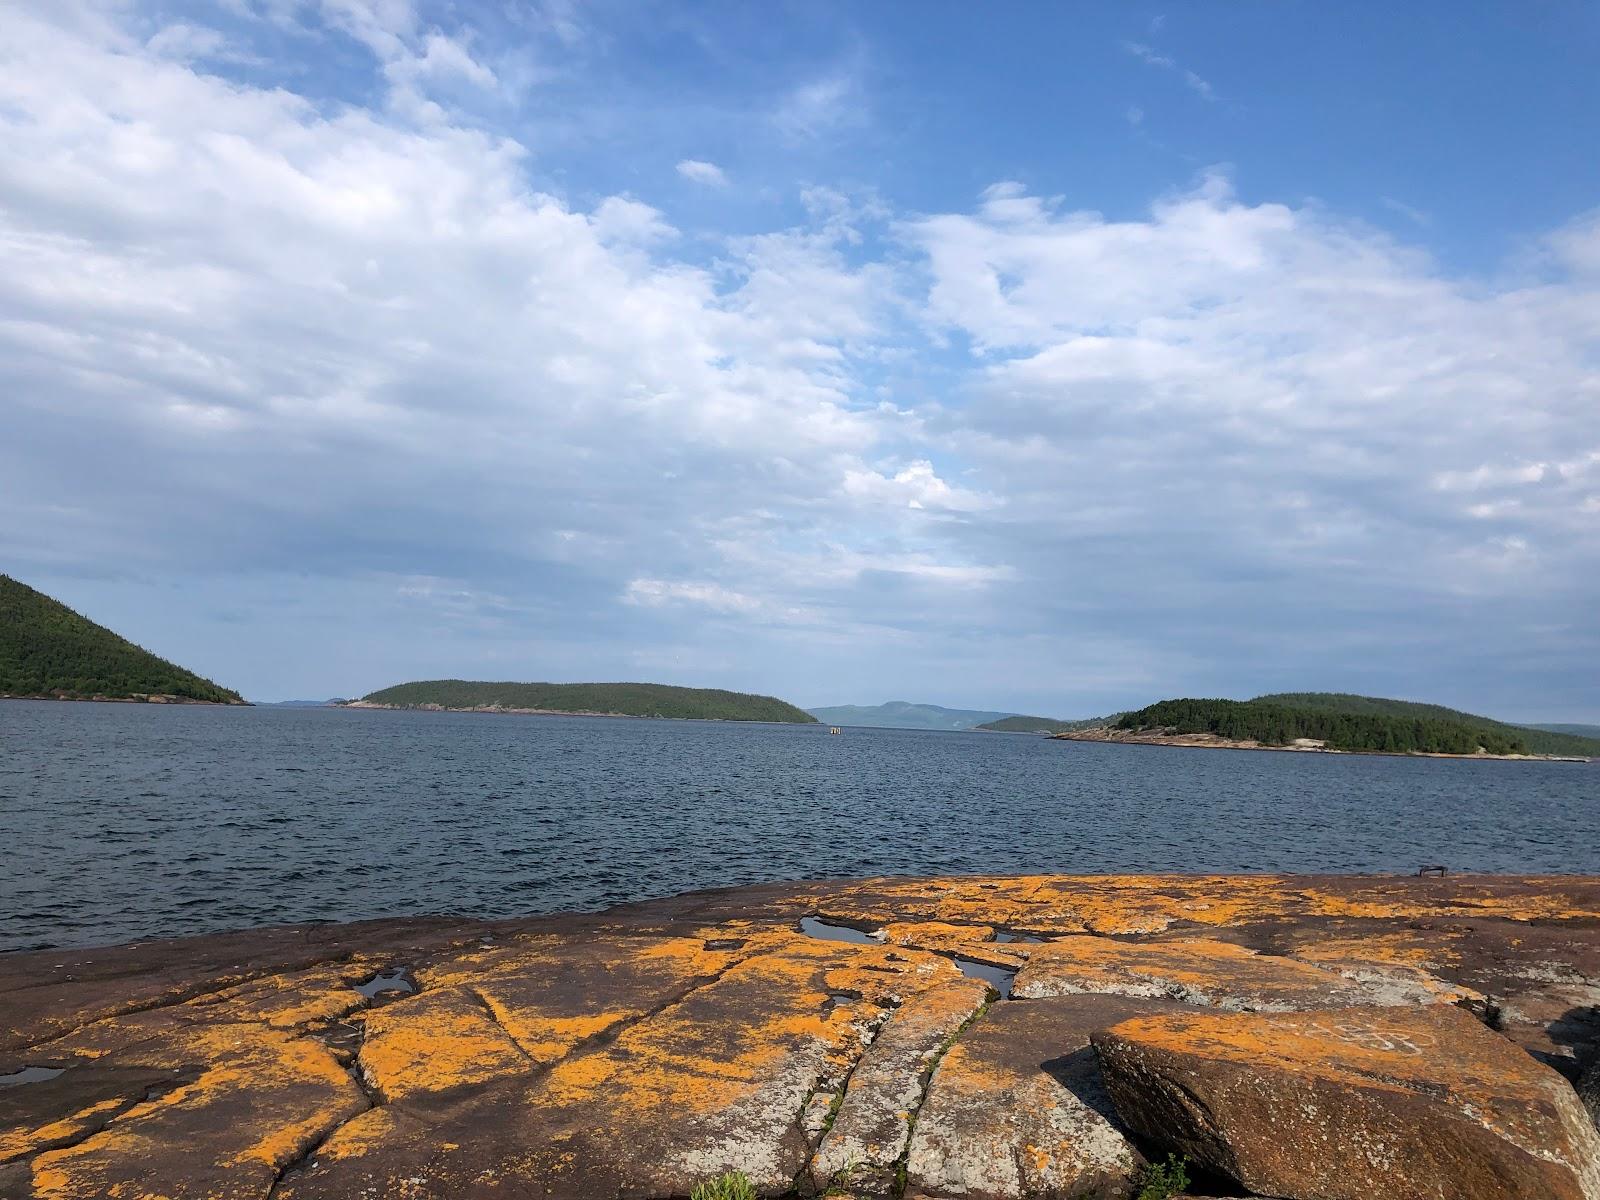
point(127, 821)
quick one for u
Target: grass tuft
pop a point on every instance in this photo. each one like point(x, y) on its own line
point(732, 1186)
point(1161, 1181)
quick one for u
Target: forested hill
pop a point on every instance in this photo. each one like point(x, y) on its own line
point(1275, 724)
point(609, 699)
point(1537, 741)
point(1040, 725)
point(48, 650)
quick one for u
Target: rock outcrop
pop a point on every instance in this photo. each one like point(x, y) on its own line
point(1351, 1103)
point(640, 1051)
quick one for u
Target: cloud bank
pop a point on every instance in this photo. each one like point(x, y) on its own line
point(345, 365)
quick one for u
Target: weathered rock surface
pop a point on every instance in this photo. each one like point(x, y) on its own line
point(1219, 974)
point(870, 1131)
point(638, 1051)
point(1017, 1109)
point(1351, 1103)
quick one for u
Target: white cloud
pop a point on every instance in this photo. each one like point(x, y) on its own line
point(820, 106)
point(263, 333)
point(656, 592)
point(1154, 58)
point(914, 486)
point(698, 171)
point(1268, 387)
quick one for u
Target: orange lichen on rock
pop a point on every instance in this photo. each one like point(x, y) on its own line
point(1348, 1103)
point(935, 935)
point(1205, 971)
point(292, 1000)
point(642, 1051)
point(434, 1042)
point(293, 1089)
point(873, 1124)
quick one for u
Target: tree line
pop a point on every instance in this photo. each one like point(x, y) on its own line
point(1280, 724)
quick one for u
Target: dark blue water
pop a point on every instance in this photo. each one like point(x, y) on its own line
point(125, 821)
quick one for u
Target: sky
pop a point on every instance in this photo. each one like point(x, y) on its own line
point(1046, 358)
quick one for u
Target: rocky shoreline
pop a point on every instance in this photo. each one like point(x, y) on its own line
point(1308, 1037)
point(1212, 741)
point(140, 698)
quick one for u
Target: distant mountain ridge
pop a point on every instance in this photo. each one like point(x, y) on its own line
point(594, 699)
point(1583, 731)
point(903, 714)
point(48, 651)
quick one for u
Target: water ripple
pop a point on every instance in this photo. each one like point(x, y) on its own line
point(125, 821)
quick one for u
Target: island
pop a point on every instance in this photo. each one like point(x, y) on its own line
point(1333, 722)
point(1021, 724)
point(50, 652)
point(585, 699)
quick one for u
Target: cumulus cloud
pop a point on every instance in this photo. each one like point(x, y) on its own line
point(1274, 413)
point(698, 171)
point(325, 358)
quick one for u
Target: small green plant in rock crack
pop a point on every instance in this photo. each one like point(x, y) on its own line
point(1161, 1181)
point(732, 1186)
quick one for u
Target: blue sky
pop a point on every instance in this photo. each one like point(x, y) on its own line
point(1038, 357)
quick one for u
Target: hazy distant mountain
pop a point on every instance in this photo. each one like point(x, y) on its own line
point(1584, 731)
point(902, 714)
point(299, 703)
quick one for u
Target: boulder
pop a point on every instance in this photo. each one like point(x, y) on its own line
point(1353, 1103)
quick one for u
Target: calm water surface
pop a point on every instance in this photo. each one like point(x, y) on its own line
point(126, 821)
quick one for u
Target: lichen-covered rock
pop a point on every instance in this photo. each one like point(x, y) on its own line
point(1206, 971)
point(870, 1130)
point(1352, 1103)
point(1016, 1108)
point(640, 1050)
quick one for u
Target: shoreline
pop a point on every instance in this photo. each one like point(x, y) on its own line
point(497, 710)
point(150, 698)
point(1211, 741)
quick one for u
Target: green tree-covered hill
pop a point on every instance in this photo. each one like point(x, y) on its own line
point(1273, 723)
point(1537, 741)
point(46, 649)
point(620, 699)
point(1041, 725)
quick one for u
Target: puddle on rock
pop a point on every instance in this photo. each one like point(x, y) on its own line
point(30, 1075)
point(1006, 936)
point(818, 928)
point(999, 978)
point(392, 984)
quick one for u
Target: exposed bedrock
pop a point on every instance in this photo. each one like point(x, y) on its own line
point(862, 1051)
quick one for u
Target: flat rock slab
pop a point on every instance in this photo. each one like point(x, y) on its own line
point(1352, 1103)
point(1016, 1108)
point(638, 1051)
point(1205, 971)
point(870, 1131)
